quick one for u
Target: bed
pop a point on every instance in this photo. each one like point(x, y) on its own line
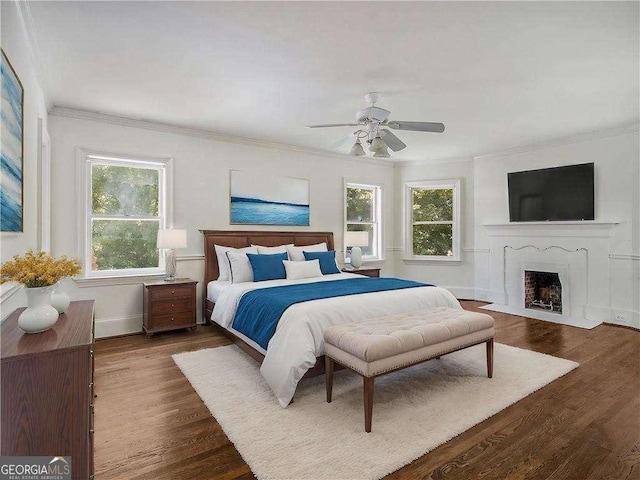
point(297, 345)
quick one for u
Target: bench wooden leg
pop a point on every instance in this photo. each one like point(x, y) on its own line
point(328, 372)
point(368, 402)
point(490, 358)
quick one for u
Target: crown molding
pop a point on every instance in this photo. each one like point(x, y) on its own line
point(435, 161)
point(26, 21)
point(556, 142)
point(562, 141)
point(194, 132)
point(392, 163)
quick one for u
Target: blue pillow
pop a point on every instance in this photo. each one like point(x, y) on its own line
point(327, 261)
point(267, 267)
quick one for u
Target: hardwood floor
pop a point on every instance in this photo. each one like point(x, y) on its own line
point(150, 423)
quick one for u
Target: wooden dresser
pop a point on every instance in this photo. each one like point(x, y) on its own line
point(47, 389)
point(169, 305)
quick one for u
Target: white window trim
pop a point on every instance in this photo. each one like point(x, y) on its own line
point(83, 182)
point(408, 219)
point(379, 221)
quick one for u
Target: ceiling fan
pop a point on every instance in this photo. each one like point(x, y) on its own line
point(372, 123)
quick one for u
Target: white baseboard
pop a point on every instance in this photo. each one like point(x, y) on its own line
point(540, 315)
point(462, 293)
point(496, 297)
point(627, 318)
point(112, 327)
point(617, 316)
point(594, 315)
point(481, 294)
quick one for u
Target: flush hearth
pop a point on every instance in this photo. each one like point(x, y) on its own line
point(543, 291)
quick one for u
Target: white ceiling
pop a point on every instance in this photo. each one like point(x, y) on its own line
point(498, 75)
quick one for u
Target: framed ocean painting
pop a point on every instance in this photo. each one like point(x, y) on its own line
point(11, 149)
point(259, 199)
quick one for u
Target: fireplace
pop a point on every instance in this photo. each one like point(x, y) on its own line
point(572, 250)
point(543, 291)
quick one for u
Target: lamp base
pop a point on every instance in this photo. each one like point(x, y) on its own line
point(356, 257)
point(170, 265)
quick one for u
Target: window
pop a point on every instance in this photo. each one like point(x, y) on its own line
point(433, 220)
point(363, 207)
point(126, 203)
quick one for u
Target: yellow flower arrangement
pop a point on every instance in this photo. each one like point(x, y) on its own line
point(38, 269)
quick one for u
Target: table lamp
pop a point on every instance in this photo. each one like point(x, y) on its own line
point(355, 240)
point(169, 240)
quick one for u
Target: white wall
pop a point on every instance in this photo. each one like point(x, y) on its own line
point(202, 187)
point(15, 43)
point(455, 276)
point(616, 155)
point(617, 169)
point(201, 196)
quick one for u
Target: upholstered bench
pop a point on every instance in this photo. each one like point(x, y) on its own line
point(386, 344)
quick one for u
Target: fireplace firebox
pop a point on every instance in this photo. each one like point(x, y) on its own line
point(543, 291)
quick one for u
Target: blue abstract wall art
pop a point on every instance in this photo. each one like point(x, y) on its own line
point(258, 199)
point(11, 149)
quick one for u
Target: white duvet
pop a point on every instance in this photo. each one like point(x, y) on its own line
point(299, 335)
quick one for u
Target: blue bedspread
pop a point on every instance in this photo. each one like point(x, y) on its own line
point(259, 311)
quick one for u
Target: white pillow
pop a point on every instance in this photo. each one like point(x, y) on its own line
point(240, 267)
point(305, 269)
point(223, 261)
point(296, 253)
point(272, 250)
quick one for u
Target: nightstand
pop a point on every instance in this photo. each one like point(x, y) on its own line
point(367, 272)
point(169, 305)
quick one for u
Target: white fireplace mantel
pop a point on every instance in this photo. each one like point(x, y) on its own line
point(552, 229)
point(583, 245)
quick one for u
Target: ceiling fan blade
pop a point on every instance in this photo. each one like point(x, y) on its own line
point(393, 142)
point(351, 138)
point(416, 126)
point(334, 125)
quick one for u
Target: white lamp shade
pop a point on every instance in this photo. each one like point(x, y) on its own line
point(356, 239)
point(172, 238)
point(382, 153)
point(377, 144)
point(357, 150)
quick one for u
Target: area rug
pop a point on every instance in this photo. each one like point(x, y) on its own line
point(414, 410)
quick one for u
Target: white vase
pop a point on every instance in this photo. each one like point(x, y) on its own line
point(59, 299)
point(39, 315)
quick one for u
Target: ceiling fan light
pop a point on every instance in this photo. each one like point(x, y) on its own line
point(377, 144)
point(357, 150)
point(381, 152)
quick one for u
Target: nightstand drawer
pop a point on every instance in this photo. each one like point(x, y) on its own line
point(180, 318)
point(175, 305)
point(167, 293)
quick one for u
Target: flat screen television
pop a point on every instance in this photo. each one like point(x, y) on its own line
point(552, 194)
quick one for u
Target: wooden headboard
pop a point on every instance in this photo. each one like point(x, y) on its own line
point(245, 238)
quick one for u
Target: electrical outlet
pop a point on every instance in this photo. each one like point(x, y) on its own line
point(621, 317)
